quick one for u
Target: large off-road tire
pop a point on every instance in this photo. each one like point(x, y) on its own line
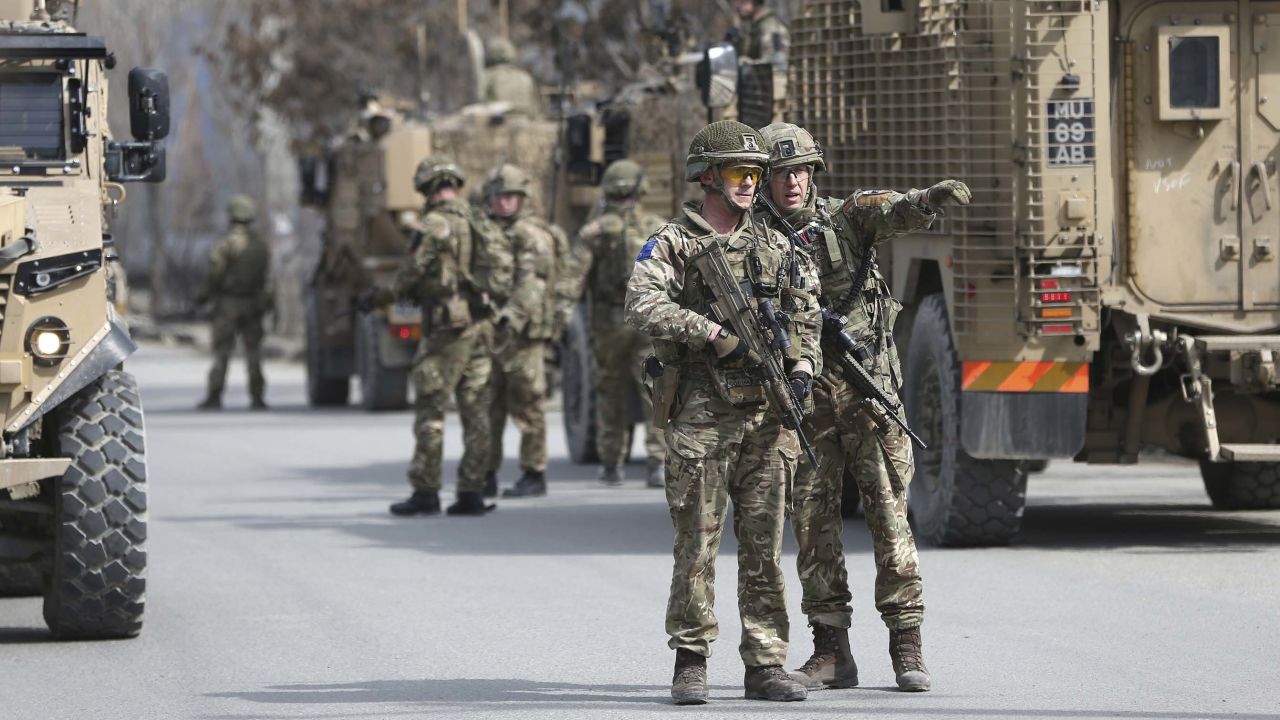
point(955, 499)
point(1242, 485)
point(97, 588)
point(578, 391)
point(1035, 466)
point(21, 580)
point(322, 390)
point(381, 387)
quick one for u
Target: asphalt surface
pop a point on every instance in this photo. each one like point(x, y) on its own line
point(279, 587)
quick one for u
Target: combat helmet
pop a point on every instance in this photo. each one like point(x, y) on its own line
point(435, 171)
point(721, 143)
point(791, 145)
point(242, 209)
point(499, 50)
point(624, 178)
point(507, 178)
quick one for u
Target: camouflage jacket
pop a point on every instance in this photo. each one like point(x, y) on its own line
point(240, 269)
point(839, 235)
point(505, 82)
point(606, 254)
point(437, 275)
point(542, 296)
point(665, 298)
point(764, 38)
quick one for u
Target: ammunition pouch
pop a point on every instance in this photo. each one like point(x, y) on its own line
point(665, 385)
point(737, 384)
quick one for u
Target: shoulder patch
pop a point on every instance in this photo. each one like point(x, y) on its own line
point(646, 252)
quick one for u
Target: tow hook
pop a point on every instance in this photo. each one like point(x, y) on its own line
point(1146, 343)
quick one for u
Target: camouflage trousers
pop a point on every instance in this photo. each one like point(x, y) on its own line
point(618, 353)
point(453, 363)
point(716, 454)
point(232, 318)
point(519, 389)
point(847, 440)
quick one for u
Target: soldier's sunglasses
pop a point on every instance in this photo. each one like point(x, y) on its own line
point(738, 174)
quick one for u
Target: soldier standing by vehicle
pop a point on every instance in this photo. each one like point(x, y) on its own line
point(726, 442)
point(607, 250)
point(526, 326)
point(847, 429)
point(239, 286)
point(504, 81)
point(453, 357)
point(759, 35)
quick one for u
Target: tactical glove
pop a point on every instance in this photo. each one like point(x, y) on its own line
point(948, 191)
point(801, 384)
point(728, 347)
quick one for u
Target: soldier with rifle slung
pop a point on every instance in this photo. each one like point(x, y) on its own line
point(858, 424)
point(738, 355)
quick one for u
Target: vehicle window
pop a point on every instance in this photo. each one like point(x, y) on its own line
point(1193, 72)
point(31, 115)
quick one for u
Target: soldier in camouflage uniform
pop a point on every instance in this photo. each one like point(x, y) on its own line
point(240, 287)
point(841, 235)
point(453, 357)
point(761, 38)
point(526, 325)
point(725, 442)
point(607, 249)
point(504, 81)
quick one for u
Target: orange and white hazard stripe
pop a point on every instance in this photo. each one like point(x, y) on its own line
point(1026, 377)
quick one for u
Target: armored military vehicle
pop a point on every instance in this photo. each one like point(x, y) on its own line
point(1114, 285)
point(362, 183)
point(73, 491)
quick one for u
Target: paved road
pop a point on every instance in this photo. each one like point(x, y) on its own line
point(280, 588)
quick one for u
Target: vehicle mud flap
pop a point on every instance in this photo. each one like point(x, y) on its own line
point(1018, 426)
point(578, 391)
point(383, 386)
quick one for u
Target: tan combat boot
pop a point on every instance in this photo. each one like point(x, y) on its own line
point(907, 652)
point(689, 684)
point(771, 682)
point(832, 663)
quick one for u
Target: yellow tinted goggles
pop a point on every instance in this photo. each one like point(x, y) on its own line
point(738, 174)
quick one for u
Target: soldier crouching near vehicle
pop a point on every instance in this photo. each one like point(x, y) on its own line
point(453, 357)
point(239, 286)
point(724, 441)
point(607, 248)
point(850, 430)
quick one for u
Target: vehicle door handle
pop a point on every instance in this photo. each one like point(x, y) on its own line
point(1260, 169)
point(1235, 185)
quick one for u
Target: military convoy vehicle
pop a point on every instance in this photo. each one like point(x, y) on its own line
point(362, 184)
point(73, 475)
point(1114, 286)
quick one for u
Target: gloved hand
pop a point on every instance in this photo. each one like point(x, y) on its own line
point(801, 384)
point(728, 347)
point(948, 191)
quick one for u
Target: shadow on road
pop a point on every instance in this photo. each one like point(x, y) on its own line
point(1146, 528)
point(510, 695)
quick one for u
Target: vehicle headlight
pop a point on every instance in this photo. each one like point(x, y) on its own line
point(48, 340)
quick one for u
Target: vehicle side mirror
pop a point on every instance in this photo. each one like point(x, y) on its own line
point(718, 76)
point(135, 162)
point(148, 104)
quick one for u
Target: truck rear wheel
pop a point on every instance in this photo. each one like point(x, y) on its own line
point(322, 390)
point(1242, 485)
point(955, 499)
point(381, 387)
point(578, 392)
point(97, 588)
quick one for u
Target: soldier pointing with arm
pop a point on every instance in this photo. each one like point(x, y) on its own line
point(847, 429)
point(725, 441)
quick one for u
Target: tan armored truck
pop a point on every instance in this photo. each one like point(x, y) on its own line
point(362, 184)
point(1114, 286)
point(73, 492)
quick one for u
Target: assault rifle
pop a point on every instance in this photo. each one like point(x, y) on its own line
point(839, 345)
point(760, 327)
